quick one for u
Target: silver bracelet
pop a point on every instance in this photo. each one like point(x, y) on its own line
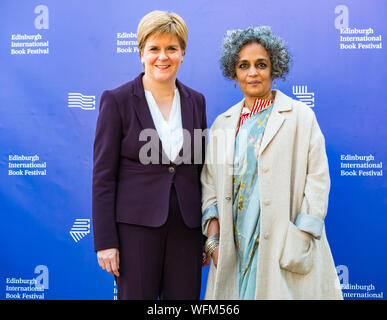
point(211, 244)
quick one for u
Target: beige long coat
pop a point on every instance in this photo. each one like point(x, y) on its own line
point(293, 178)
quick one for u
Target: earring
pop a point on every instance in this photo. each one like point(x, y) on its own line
point(235, 84)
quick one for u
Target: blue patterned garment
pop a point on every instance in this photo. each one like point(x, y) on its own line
point(246, 203)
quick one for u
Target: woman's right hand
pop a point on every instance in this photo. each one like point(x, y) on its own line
point(109, 260)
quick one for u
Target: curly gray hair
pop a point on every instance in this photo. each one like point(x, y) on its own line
point(235, 40)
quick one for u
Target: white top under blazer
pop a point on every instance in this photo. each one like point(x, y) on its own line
point(170, 132)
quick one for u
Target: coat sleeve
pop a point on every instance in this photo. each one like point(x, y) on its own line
point(106, 158)
point(315, 202)
point(203, 148)
point(203, 127)
point(209, 202)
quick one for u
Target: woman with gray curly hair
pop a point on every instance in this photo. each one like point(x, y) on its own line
point(265, 184)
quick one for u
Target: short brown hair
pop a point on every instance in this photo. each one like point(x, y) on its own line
point(158, 22)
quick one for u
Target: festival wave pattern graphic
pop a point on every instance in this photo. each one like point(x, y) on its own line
point(303, 95)
point(78, 100)
point(80, 229)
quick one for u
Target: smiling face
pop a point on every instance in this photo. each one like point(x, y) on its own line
point(161, 57)
point(253, 72)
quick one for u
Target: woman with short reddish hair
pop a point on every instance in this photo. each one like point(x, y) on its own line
point(146, 216)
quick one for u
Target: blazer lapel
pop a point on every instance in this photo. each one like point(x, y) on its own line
point(187, 108)
point(145, 118)
point(146, 121)
point(141, 107)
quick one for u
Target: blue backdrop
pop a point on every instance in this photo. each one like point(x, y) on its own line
point(56, 58)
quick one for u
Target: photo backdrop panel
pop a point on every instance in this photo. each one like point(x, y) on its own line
point(56, 59)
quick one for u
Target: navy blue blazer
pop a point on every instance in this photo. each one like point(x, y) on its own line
point(128, 191)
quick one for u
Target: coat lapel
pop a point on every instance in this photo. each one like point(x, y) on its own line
point(230, 127)
point(225, 282)
point(276, 119)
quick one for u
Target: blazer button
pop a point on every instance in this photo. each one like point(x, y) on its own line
point(228, 198)
point(267, 203)
point(171, 169)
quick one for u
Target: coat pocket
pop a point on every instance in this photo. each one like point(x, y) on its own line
point(297, 254)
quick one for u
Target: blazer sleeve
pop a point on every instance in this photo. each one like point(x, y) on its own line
point(106, 160)
point(316, 193)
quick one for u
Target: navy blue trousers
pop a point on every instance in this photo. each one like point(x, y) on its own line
point(160, 262)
